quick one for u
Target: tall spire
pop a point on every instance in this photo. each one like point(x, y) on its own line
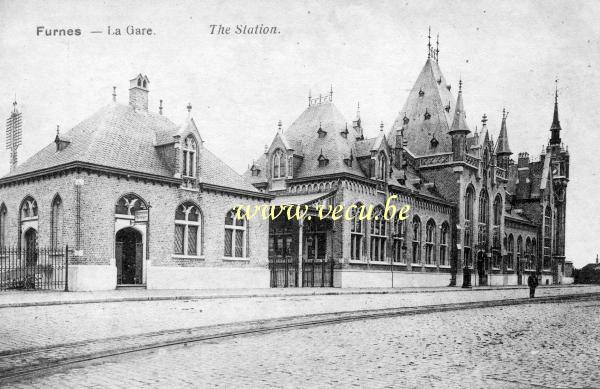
point(555, 127)
point(459, 123)
point(429, 43)
point(437, 48)
point(502, 147)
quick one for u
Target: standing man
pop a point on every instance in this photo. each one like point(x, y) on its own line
point(532, 281)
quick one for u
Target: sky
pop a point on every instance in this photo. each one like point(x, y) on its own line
point(508, 54)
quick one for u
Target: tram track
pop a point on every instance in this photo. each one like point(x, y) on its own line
point(20, 364)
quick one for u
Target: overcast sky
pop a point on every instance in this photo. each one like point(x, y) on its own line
point(508, 54)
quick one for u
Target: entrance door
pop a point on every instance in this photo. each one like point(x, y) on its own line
point(129, 253)
point(31, 247)
point(481, 268)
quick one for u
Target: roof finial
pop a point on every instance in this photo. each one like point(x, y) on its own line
point(331, 93)
point(57, 130)
point(309, 97)
point(189, 108)
point(429, 43)
point(160, 108)
point(358, 110)
point(266, 148)
point(556, 91)
point(114, 95)
point(460, 84)
point(437, 48)
point(484, 119)
point(381, 126)
point(279, 125)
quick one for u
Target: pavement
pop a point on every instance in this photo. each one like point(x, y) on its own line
point(28, 298)
point(523, 346)
point(48, 327)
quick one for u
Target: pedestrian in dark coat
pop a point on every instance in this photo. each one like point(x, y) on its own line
point(532, 281)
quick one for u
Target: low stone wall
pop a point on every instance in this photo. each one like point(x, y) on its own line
point(354, 278)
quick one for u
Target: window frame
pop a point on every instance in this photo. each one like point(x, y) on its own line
point(234, 228)
point(378, 236)
point(188, 207)
point(190, 157)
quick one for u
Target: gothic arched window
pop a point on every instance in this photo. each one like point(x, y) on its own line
point(188, 230)
point(399, 246)
point(528, 253)
point(56, 222)
point(129, 204)
point(511, 251)
point(483, 220)
point(235, 236)
point(378, 235)
point(416, 242)
point(547, 236)
point(278, 164)
point(3, 212)
point(469, 203)
point(190, 153)
point(444, 244)
point(29, 209)
point(430, 242)
point(382, 166)
point(357, 234)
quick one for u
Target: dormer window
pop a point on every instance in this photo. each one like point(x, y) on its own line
point(322, 160)
point(421, 93)
point(321, 132)
point(255, 171)
point(382, 166)
point(427, 115)
point(345, 132)
point(434, 143)
point(190, 152)
point(278, 170)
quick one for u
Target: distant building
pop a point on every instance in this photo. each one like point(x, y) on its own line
point(589, 274)
point(473, 206)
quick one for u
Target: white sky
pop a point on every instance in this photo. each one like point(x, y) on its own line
point(508, 54)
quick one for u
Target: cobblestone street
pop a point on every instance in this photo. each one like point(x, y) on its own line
point(545, 345)
point(539, 345)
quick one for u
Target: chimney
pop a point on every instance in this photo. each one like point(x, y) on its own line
point(523, 160)
point(138, 92)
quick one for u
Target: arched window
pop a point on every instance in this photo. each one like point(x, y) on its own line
point(129, 204)
point(382, 166)
point(519, 250)
point(469, 203)
point(190, 152)
point(416, 243)
point(56, 222)
point(496, 248)
point(510, 249)
point(399, 236)
point(444, 244)
point(235, 236)
point(430, 242)
point(29, 209)
point(484, 219)
point(378, 235)
point(357, 234)
point(528, 253)
point(278, 164)
point(533, 254)
point(547, 236)
point(3, 212)
point(188, 230)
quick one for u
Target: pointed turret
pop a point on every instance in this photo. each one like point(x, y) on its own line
point(459, 130)
point(502, 147)
point(459, 124)
point(555, 127)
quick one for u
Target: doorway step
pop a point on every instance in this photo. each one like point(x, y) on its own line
point(131, 286)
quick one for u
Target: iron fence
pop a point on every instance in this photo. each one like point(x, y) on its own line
point(38, 268)
point(315, 273)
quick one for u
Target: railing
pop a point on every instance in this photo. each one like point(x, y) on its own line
point(501, 173)
point(434, 160)
point(39, 268)
point(315, 272)
point(471, 160)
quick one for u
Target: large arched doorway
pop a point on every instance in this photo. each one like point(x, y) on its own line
point(31, 252)
point(129, 256)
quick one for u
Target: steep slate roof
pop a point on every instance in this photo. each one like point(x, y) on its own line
point(435, 97)
point(303, 138)
point(459, 122)
point(260, 163)
point(117, 136)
